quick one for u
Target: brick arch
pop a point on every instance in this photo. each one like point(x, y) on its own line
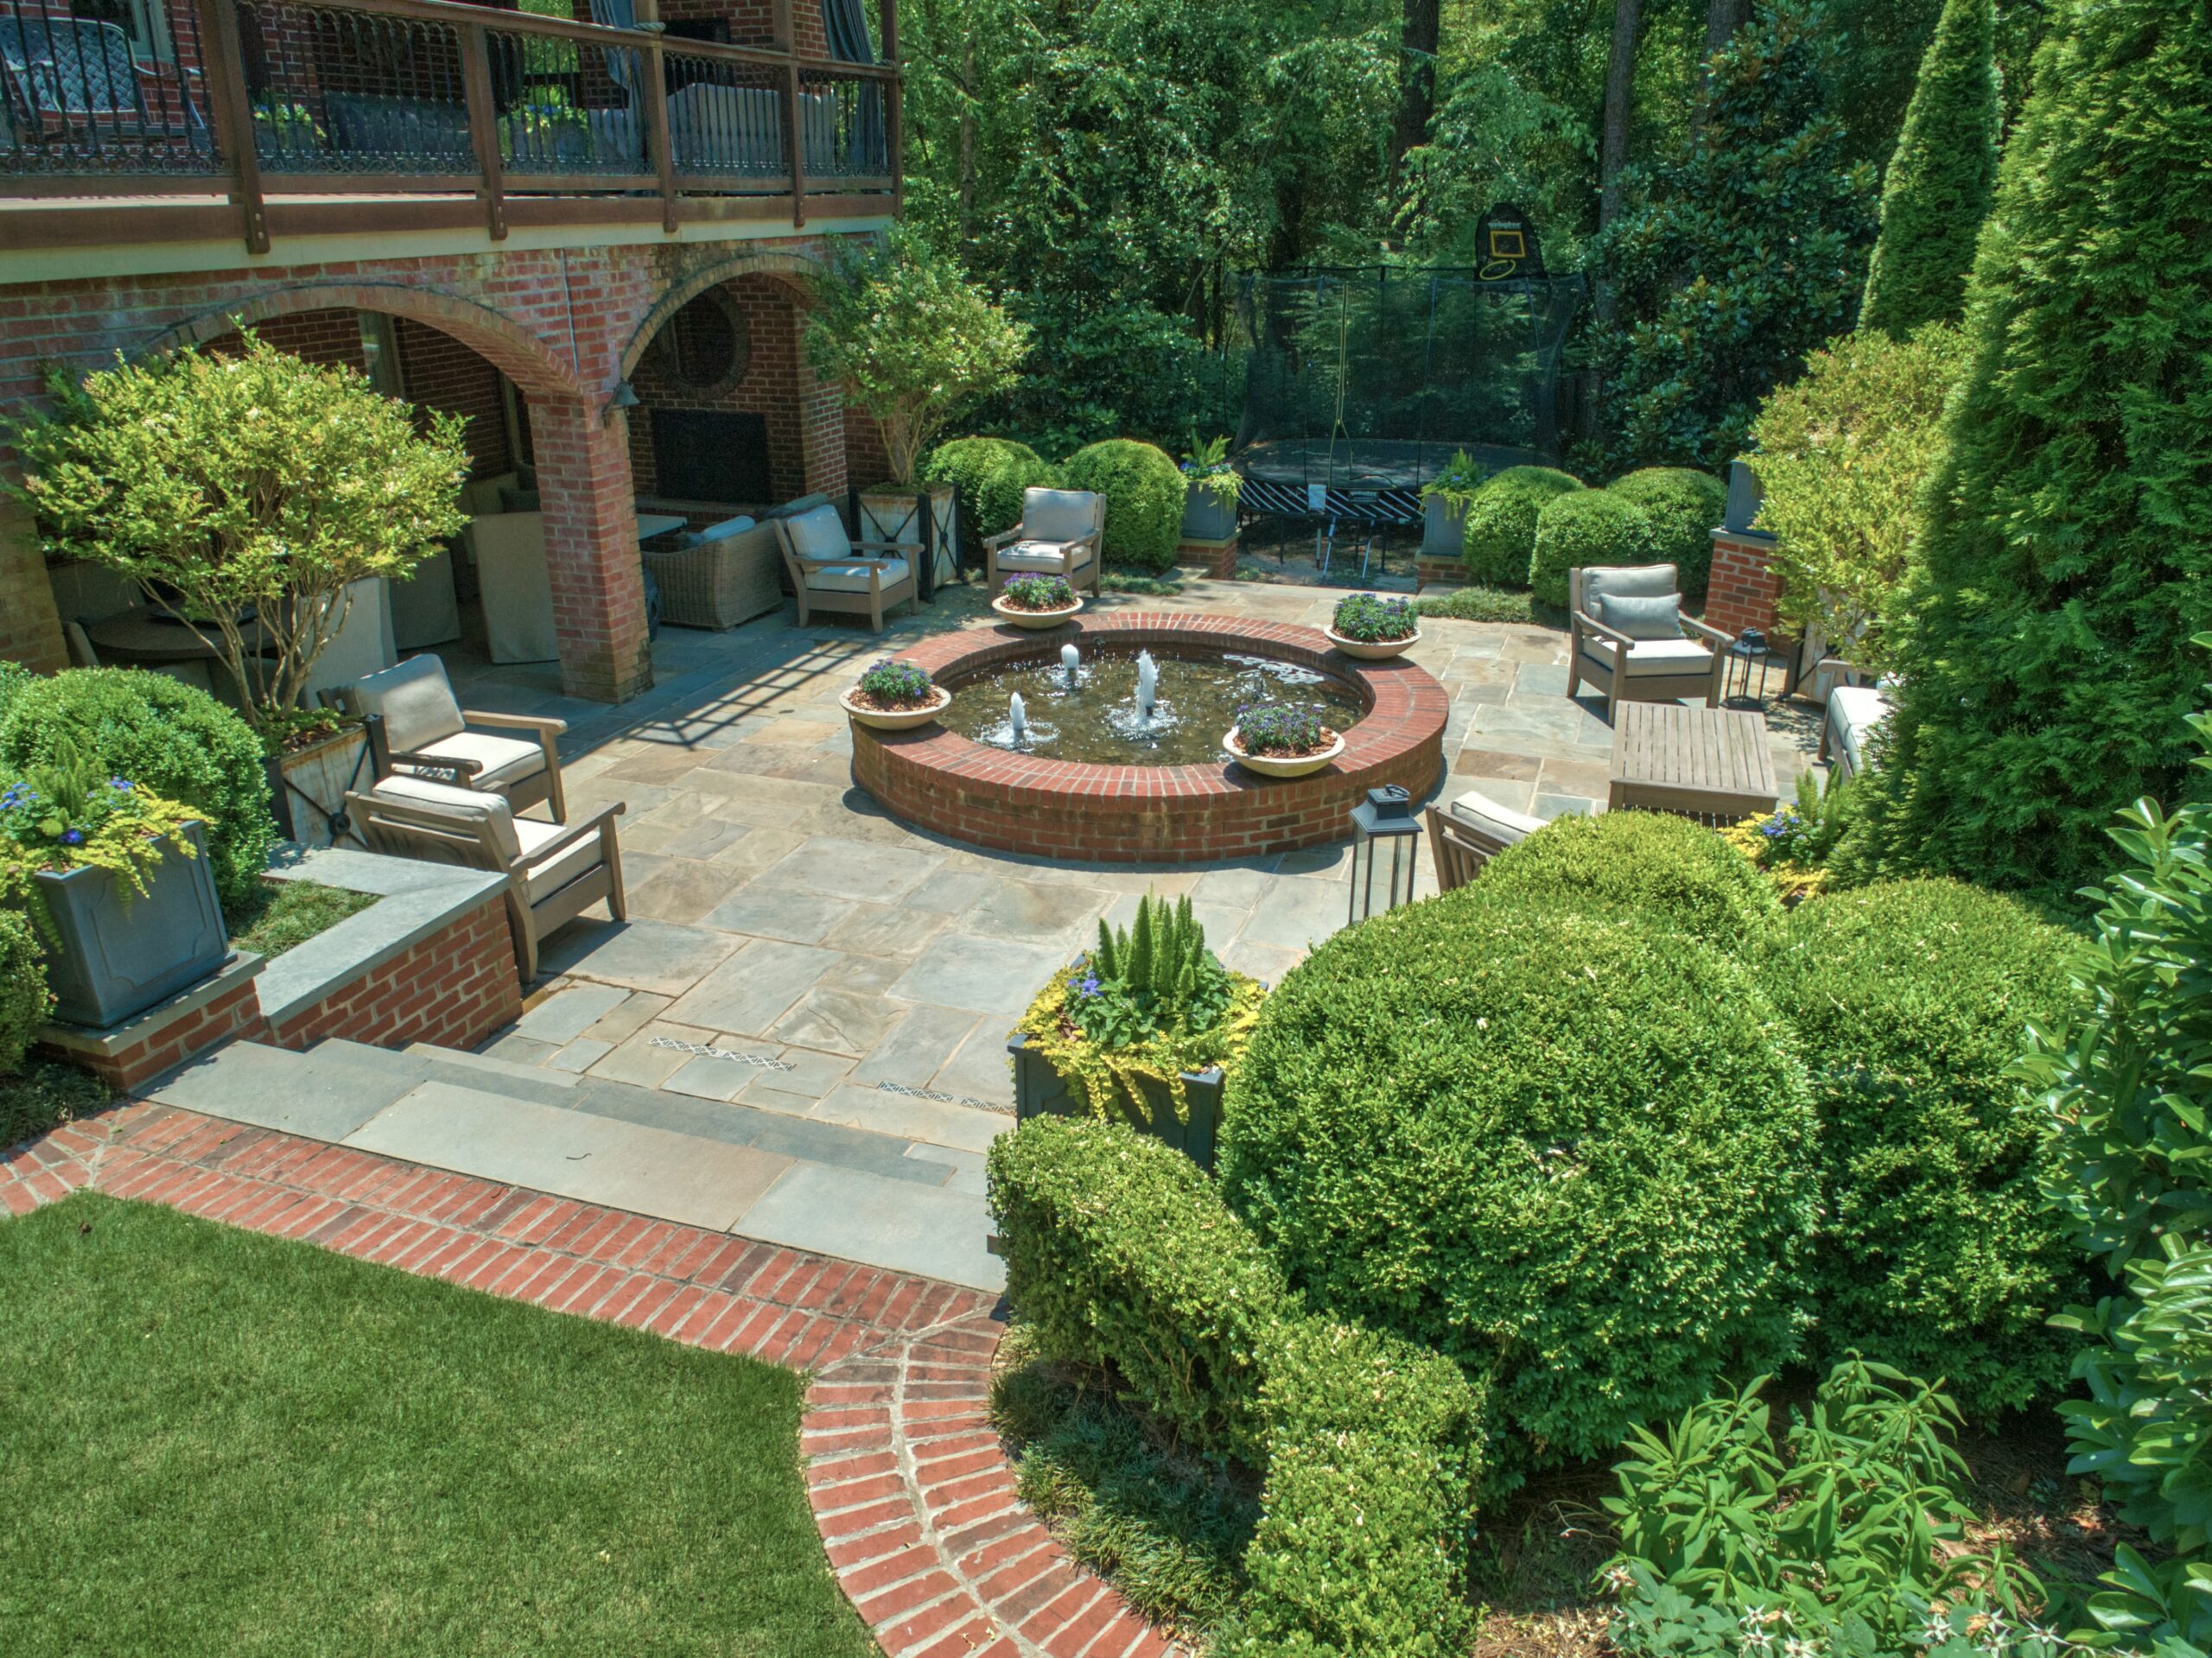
point(517, 353)
point(790, 269)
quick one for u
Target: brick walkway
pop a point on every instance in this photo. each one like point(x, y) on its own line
point(910, 1486)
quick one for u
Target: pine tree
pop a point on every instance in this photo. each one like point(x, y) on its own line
point(1941, 179)
point(2044, 640)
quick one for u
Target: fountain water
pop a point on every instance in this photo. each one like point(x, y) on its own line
point(1148, 685)
point(1018, 717)
point(1071, 663)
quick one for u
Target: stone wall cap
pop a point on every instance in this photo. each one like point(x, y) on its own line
point(239, 966)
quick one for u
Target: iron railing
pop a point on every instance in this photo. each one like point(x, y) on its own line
point(256, 98)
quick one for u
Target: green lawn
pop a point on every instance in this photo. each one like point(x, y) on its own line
point(212, 1442)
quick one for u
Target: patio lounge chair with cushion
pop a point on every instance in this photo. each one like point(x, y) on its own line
point(553, 873)
point(1475, 829)
point(1854, 714)
point(1631, 639)
point(831, 571)
point(426, 734)
point(724, 575)
point(1058, 535)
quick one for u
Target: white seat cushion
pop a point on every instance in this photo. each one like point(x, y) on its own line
point(470, 806)
point(819, 533)
point(1676, 658)
point(504, 761)
point(1037, 558)
point(853, 578)
point(1500, 824)
point(540, 881)
point(1059, 515)
point(1854, 711)
point(722, 532)
point(415, 698)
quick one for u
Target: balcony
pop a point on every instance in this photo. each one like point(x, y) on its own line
point(128, 119)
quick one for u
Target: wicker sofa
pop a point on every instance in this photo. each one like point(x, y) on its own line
point(720, 577)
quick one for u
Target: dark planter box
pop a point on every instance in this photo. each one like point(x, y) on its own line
point(1039, 1091)
point(1206, 517)
point(1443, 528)
point(121, 951)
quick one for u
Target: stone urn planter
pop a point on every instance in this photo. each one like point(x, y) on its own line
point(308, 785)
point(1207, 517)
point(116, 951)
point(896, 719)
point(1280, 765)
point(893, 513)
point(1040, 1091)
point(1035, 619)
point(1443, 526)
point(1373, 650)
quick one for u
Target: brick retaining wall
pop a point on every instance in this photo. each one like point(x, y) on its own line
point(450, 988)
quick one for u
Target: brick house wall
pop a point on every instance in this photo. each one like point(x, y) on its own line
point(450, 989)
point(439, 372)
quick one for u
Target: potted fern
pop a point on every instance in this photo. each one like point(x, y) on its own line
point(1142, 1030)
point(116, 883)
point(1210, 508)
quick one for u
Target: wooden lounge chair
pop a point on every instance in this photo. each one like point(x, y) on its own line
point(1629, 638)
point(1475, 829)
point(554, 872)
point(426, 733)
point(831, 571)
point(1059, 534)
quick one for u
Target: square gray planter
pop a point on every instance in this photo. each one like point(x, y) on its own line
point(1206, 517)
point(120, 952)
point(1040, 1091)
point(1443, 527)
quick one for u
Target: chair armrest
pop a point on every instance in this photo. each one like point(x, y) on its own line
point(891, 549)
point(572, 833)
point(435, 762)
point(1584, 620)
point(1002, 538)
point(1711, 632)
point(852, 558)
point(539, 723)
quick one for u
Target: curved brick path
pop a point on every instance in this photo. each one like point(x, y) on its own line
point(910, 1489)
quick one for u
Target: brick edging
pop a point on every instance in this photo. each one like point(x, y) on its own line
point(910, 1489)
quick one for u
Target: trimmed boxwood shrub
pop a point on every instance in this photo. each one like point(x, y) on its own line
point(1371, 1479)
point(1592, 526)
point(988, 475)
point(1144, 491)
point(1911, 1001)
point(1571, 1149)
point(1685, 507)
point(23, 999)
point(13, 678)
point(1682, 874)
point(1500, 529)
point(1119, 1251)
point(173, 738)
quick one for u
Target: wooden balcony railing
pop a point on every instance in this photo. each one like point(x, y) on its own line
point(255, 98)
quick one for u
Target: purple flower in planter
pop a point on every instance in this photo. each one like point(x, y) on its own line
point(121, 784)
point(73, 837)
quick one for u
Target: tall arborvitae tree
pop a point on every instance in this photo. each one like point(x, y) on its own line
point(1941, 179)
point(2043, 647)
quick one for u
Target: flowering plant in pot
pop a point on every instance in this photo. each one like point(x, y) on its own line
point(1142, 1029)
point(1281, 740)
point(115, 882)
point(1444, 500)
point(1210, 510)
point(1038, 600)
point(894, 696)
point(1373, 628)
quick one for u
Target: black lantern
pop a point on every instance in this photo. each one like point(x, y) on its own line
point(1384, 818)
point(1750, 647)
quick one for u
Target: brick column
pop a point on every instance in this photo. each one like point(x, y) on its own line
point(821, 425)
point(591, 548)
point(31, 629)
point(1744, 586)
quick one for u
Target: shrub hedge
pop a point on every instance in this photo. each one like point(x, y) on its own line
point(23, 999)
point(1593, 526)
point(1679, 873)
point(988, 475)
point(1118, 1252)
point(1685, 507)
point(171, 737)
point(1569, 1149)
point(13, 678)
point(1144, 490)
point(1912, 1000)
point(1501, 527)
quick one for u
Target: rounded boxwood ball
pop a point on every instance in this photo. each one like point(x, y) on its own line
point(1565, 1146)
point(1685, 507)
point(1144, 490)
point(1593, 527)
point(1910, 1000)
point(23, 1000)
point(1501, 525)
point(1681, 874)
point(169, 736)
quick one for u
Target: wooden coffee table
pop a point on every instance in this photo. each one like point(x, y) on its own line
point(1709, 763)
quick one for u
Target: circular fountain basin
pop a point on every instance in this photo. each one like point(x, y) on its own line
point(1133, 809)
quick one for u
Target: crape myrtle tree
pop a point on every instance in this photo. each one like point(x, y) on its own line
point(1941, 180)
point(2043, 640)
point(1740, 254)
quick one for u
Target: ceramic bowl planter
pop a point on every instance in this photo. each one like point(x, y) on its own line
point(119, 950)
point(1280, 765)
point(1035, 619)
point(1373, 650)
point(896, 719)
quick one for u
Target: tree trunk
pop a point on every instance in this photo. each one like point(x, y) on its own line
point(1620, 99)
point(1722, 19)
point(1418, 38)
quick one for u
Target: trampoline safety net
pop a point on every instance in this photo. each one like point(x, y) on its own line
point(1367, 380)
